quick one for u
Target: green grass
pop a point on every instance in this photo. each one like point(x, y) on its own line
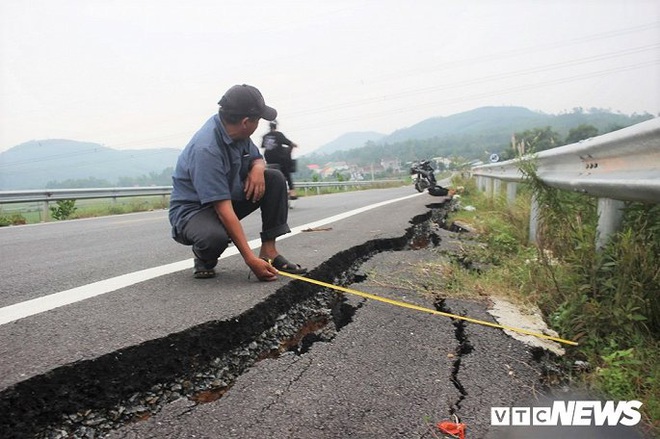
point(608, 301)
point(31, 213)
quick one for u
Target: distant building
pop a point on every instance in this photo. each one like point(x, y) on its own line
point(329, 169)
point(444, 160)
point(391, 163)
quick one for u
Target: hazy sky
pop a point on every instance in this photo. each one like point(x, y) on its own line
point(133, 74)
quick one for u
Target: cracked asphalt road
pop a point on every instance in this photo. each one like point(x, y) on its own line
point(390, 372)
point(386, 374)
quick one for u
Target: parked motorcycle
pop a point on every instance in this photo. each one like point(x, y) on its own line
point(424, 178)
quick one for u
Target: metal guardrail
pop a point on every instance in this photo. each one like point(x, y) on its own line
point(318, 185)
point(620, 166)
point(48, 195)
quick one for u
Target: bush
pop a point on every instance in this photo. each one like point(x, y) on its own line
point(63, 210)
point(13, 220)
point(607, 300)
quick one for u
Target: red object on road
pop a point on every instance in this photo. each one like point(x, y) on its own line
point(452, 428)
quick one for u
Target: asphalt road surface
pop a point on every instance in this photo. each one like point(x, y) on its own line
point(105, 333)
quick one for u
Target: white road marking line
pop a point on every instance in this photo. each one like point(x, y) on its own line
point(46, 303)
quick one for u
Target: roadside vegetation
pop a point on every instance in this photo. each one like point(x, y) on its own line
point(77, 209)
point(608, 300)
point(31, 213)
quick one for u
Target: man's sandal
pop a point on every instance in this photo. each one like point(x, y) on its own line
point(202, 270)
point(281, 264)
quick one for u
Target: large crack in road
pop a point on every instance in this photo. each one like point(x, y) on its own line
point(464, 347)
point(90, 398)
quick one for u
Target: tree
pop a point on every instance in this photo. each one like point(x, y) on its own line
point(536, 140)
point(78, 183)
point(581, 132)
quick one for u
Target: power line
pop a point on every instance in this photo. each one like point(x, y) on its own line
point(425, 90)
point(537, 49)
point(501, 92)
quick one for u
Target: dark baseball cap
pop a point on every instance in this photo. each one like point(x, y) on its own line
point(245, 100)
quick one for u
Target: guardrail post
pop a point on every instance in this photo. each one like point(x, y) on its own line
point(488, 187)
point(497, 187)
point(511, 191)
point(610, 215)
point(480, 183)
point(533, 219)
point(45, 212)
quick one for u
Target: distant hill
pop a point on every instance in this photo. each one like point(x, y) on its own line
point(470, 133)
point(500, 122)
point(491, 120)
point(32, 164)
point(349, 141)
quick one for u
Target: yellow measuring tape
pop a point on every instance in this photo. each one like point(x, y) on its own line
point(421, 308)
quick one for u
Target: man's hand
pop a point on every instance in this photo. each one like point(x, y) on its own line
point(255, 183)
point(262, 269)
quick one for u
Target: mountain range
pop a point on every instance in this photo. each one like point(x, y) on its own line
point(351, 140)
point(489, 127)
point(32, 165)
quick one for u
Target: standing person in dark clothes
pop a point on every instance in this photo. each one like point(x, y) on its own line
point(220, 177)
point(277, 151)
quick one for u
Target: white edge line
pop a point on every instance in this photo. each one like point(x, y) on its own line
point(46, 303)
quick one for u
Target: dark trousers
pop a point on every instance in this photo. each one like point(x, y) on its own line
point(284, 163)
point(208, 236)
point(286, 170)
